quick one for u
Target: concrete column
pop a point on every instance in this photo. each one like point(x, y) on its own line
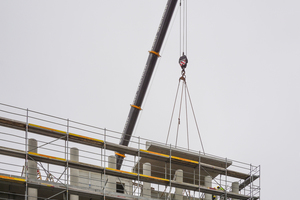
point(111, 182)
point(32, 169)
point(74, 173)
point(179, 179)
point(235, 188)
point(32, 166)
point(147, 186)
point(208, 183)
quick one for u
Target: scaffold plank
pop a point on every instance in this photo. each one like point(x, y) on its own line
point(249, 180)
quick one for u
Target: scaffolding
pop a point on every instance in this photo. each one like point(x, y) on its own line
point(48, 157)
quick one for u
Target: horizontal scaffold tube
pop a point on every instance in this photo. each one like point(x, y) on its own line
point(46, 131)
point(113, 172)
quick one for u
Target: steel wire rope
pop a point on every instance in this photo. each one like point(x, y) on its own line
point(195, 119)
point(179, 115)
point(186, 111)
point(182, 48)
point(183, 25)
point(186, 27)
point(180, 29)
point(172, 112)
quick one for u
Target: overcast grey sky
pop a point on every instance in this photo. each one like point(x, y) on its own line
point(83, 60)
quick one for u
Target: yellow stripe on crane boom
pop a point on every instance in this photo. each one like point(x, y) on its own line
point(155, 53)
point(137, 107)
point(119, 154)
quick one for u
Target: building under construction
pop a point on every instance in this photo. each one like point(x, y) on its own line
point(47, 157)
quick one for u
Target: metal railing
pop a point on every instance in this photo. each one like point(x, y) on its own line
point(99, 182)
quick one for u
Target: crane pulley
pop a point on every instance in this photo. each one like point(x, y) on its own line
point(183, 61)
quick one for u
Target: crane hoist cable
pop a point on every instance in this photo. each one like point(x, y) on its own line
point(183, 27)
point(183, 61)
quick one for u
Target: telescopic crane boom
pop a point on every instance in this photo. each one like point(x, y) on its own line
point(146, 77)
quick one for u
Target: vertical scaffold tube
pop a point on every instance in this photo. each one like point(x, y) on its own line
point(146, 77)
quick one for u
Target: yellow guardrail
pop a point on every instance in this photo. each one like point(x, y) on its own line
point(12, 178)
point(101, 141)
point(46, 156)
